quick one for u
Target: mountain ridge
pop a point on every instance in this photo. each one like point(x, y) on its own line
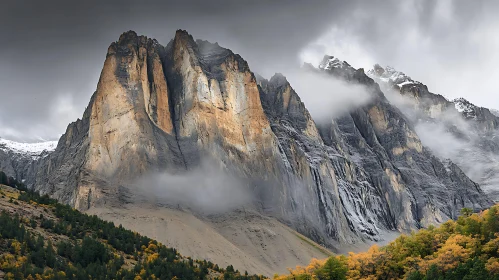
point(470, 131)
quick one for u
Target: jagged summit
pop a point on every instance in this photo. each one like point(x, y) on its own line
point(466, 108)
point(391, 76)
point(334, 66)
point(127, 36)
point(329, 62)
point(279, 79)
point(472, 111)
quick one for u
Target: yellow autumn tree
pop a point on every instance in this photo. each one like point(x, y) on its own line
point(456, 250)
point(492, 266)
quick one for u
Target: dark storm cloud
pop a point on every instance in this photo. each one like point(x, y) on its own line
point(52, 52)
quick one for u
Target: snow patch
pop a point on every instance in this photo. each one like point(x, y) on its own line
point(330, 62)
point(390, 76)
point(464, 107)
point(33, 150)
point(405, 83)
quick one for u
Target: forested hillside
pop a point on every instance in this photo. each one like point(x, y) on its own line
point(42, 239)
point(464, 249)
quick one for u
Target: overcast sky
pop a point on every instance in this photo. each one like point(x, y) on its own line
point(52, 52)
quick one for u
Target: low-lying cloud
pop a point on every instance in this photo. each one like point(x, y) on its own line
point(205, 190)
point(325, 96)
point(440, 140)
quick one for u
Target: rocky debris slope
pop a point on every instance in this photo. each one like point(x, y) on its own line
point(249, 241)
point(167, 109)
point(455, 130)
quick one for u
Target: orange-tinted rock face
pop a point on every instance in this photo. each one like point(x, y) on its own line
point(156, 92)
point(221, 107)
point(122, 114)
point(136, 121)
point(130, 104)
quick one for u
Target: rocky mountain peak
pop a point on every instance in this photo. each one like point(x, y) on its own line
point(278, 80)
point(466, 108)
point(126, 37)
point(183, 36)
point(329, 62)
point(183, 42)
point(341, 69)
point(378, 70)
point(391, 76)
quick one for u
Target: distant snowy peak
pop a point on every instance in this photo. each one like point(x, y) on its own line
point(33, 150)
point(391, 76)
point(329, 62)
point(465, 107)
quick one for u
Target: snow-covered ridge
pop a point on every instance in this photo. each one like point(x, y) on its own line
point(465, 107)
point(329, 62)
point(391, 76)
point(29, 149)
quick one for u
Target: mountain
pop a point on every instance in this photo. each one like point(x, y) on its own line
point(456, 130)
point(174, 109)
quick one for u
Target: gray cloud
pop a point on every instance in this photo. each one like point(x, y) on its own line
point(325, 96)
point(52, 51)
point(205, 190)
point(446, 44)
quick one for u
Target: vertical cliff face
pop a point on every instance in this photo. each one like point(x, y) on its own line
point(368, 170)
point(126, 130)
point(167, 109)
point(59, 173)
point(216, 106)
point(161, 109)
point(325, 186)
